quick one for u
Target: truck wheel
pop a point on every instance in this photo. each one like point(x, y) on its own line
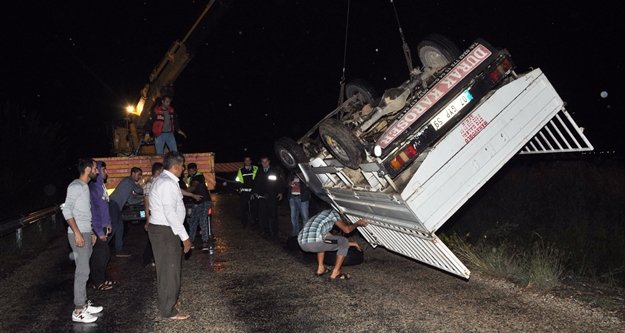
point(361, 87)
point(341, 143)
point(436, 51)
point(354, 257)
point(289, 152)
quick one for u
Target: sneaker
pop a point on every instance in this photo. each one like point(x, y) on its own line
point(205, 247)
point(83, 317)
point(122, 254)
point(92, 309)
point(192, 247)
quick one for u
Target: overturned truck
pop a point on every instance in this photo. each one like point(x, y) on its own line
point(407, 161)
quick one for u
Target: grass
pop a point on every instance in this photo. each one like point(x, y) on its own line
point(538, 266)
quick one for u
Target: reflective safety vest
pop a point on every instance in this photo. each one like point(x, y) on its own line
point(246, 177)
point(159, 120)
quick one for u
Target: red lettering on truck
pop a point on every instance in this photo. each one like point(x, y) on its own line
point(460, 71)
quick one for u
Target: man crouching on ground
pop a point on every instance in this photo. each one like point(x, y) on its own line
point(166, 230)
point(315, 237)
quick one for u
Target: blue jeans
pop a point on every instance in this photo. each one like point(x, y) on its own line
point(299, 209)
point(199, 216)
point(166, 138)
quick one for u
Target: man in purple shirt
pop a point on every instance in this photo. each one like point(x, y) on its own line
point(101, 222)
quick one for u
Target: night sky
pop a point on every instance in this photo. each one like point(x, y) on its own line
point(272, 68)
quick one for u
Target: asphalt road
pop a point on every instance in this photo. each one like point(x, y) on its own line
point(254, 284)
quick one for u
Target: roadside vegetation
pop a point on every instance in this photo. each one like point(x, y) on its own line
point(539, 265)
point(544, 219)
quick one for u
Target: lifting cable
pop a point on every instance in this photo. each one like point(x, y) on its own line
point(403, 41)
point(342, 83)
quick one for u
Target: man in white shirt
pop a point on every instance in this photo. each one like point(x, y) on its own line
point(166, 230)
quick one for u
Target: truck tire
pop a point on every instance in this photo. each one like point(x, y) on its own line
point(289, 153)
point(341, 143)
point(436, 51)
point(361, 87)
point(354, 257)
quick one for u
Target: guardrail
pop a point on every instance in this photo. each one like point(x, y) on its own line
point(8, 226)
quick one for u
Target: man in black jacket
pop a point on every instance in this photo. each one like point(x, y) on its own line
point(199, 214)
point(268, 187)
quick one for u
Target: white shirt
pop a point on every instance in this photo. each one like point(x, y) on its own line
point(166, 206)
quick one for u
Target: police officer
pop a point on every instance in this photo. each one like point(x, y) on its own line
point(245, 177)
point(268, 187)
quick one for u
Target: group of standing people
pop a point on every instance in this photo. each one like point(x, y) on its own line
point(77, 211)
point(260, 191)
point(93, 219)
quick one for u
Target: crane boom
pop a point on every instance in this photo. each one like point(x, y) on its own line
point(161, 79)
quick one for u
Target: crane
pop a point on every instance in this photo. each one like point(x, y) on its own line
point(127, 136)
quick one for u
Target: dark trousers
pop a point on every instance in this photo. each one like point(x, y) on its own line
point(246, 208)
point(118, 225)
point(268, 214)
point(168, 258)
point(148, 255)
point(99, 260)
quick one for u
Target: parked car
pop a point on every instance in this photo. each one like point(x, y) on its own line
point(134, 213)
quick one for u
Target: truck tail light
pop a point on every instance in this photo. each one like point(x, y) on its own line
point(497, 73)
point(403, 157)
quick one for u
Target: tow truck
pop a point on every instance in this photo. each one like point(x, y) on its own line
point(406, 162)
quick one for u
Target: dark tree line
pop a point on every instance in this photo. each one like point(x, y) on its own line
point(34, 161)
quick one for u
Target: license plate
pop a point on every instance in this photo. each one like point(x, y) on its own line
point(451, 109)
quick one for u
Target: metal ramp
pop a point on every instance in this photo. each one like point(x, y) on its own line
point(560, 135)
point(424, 247)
